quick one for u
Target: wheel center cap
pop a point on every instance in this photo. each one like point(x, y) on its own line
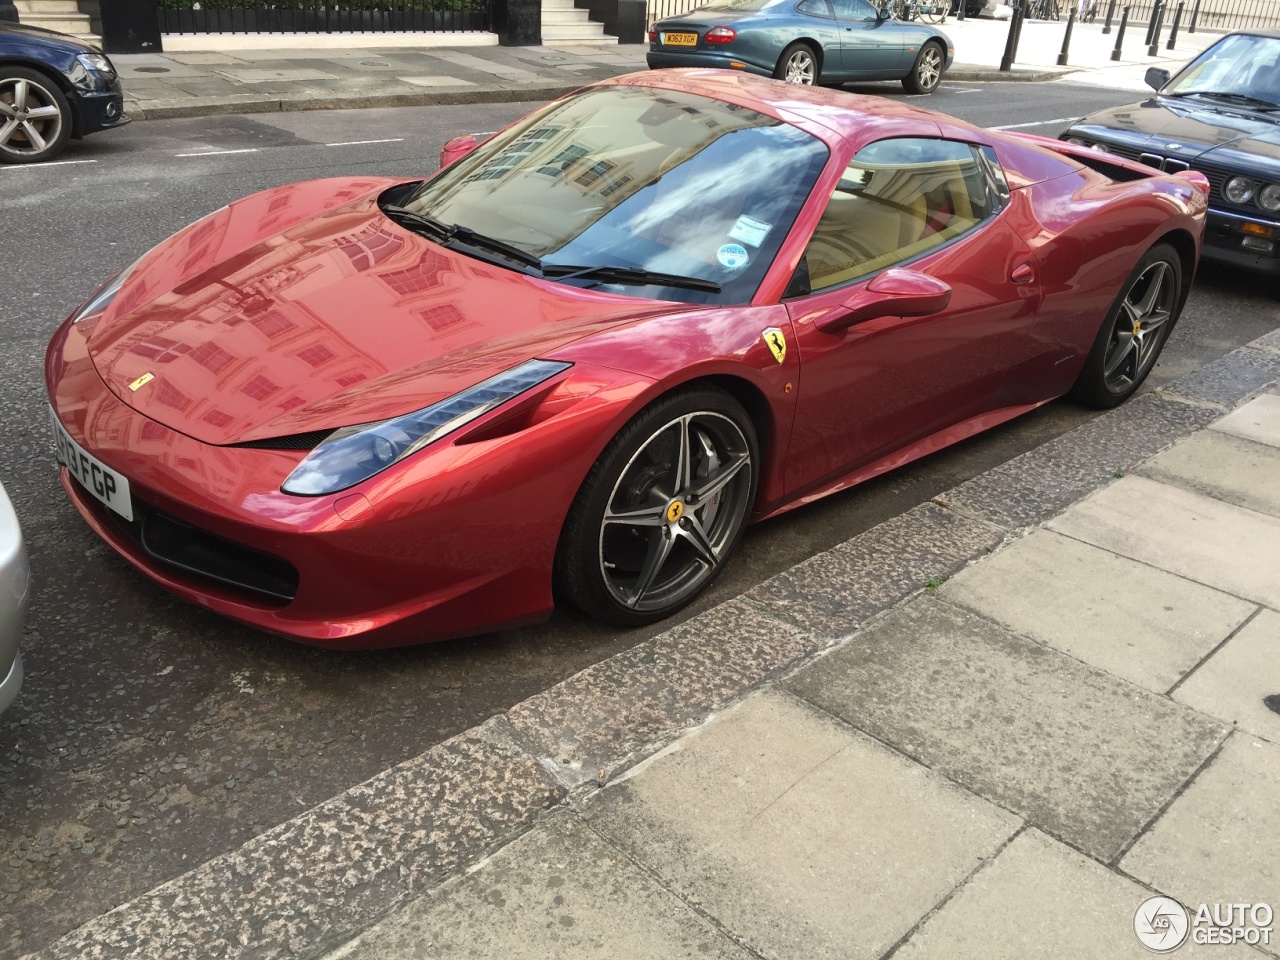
point(1137, 327)
point(675, 511)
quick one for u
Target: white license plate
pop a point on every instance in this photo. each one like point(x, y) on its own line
point(97, 478)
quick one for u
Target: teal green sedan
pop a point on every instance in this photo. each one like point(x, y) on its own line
point(804, 41)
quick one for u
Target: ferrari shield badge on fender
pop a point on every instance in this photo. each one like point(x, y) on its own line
point(142, 381)
point(776, 343)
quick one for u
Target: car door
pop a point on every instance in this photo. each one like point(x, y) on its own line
point(869, 46)
point(933, 207)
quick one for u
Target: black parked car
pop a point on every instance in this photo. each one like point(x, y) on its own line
point(1220, 115)
point(52, 87)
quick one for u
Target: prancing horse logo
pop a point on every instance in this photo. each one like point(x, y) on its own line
point(776, 343)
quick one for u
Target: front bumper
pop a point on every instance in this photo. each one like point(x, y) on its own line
point(100, 111)
point(457, 540)
point(1225, 241)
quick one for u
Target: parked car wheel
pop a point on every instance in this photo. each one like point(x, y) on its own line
point(798, 64)
point(1134, 331)
point(926, 72)
point(661, 510)
point(35, 118)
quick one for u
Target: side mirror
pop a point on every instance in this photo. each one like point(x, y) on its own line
point(884, 13)
point(1157, 77)
point(457, 148)
point(894, 293)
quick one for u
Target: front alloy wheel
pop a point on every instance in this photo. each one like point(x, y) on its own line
point(666, 503)
point(34, 116)
point(926, 74)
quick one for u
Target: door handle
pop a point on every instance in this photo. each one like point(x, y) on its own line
point(1022, 273)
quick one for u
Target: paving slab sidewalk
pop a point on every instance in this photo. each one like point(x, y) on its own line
point(230, 80)
point(1001, 723)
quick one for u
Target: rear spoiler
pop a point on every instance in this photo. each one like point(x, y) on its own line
point(1085, 154)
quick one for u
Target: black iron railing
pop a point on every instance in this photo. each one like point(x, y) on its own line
point(661, 9)
point(1208, 14)
point(301, 16)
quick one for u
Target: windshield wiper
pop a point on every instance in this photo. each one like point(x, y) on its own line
point(1241, 98)
point(445, 234)
point(628, 275)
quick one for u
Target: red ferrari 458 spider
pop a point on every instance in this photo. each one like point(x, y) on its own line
point(591, 348)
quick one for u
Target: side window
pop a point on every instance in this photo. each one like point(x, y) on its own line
point(854, 10)
point(815, 8)
point(899, 199)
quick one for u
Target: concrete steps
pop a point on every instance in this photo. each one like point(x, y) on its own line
point(64, 16)
point(563, 23)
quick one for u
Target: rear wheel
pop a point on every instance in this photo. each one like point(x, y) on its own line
point(798, 64)
point(926, 72)
point(661, 510)
point(35, 118)
point(1134, 331)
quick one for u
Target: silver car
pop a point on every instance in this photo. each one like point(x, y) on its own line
point(15, 577)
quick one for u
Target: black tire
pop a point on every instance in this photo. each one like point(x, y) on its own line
point(791, 64)
point(1109, 377)
point(26, 138)
point(926, 72)
point(601, 564)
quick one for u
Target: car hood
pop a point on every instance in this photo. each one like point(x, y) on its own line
point(339, 319)
point(1192, 130)
point(50, 38)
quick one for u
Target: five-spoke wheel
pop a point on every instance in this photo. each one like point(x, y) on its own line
point(35, 118)
point(798, 64)
point(926, 72)
point(662, 509)
point(1134, 331)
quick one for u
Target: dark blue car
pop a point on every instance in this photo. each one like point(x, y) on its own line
point(52, 87)
point(1220, 115)
point(804, 41)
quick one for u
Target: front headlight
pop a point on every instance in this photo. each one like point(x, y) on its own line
point(98, 63)
point(1239, 190)
point(354, 454)
point(99, 302)
point(1269, 198)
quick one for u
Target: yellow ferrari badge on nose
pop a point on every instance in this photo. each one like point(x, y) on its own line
point(675, 511)
point(776, 343)
point(142, 381)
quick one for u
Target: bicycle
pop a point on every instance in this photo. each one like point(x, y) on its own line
point(933, 11)
point(1044, 10)
point(1088, 11)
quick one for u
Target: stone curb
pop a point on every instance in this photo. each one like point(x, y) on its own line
point(181, 108)
point(316, 881)
point(249, 103)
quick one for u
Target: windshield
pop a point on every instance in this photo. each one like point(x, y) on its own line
point(637, 178)
point(739, 6)
point(1238, 65)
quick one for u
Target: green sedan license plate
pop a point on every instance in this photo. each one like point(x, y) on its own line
point(679, 39)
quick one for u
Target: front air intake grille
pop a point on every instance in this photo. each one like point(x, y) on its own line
point(297, 441)
point(189, 548)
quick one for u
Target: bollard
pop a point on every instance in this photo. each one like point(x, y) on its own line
point(1025, 7)
point(1124, 19)
point(1177, 19)
point(1154, 49)
point(960, 14)
point(1151, 21)
point(1011, 41)
point(1111, 12)
point(1066, 38)
point(1195, 12)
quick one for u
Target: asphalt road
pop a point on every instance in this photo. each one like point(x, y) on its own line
point(151, 735)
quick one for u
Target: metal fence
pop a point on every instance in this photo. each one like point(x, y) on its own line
point(1205, 14)
point(657, 10)
point(300, 16)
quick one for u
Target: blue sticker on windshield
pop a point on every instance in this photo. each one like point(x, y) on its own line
point(732, 255)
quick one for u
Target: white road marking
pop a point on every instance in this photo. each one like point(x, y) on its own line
point(357, 143)
point(1038, 123)
point(216, 153)
point(37, 166)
